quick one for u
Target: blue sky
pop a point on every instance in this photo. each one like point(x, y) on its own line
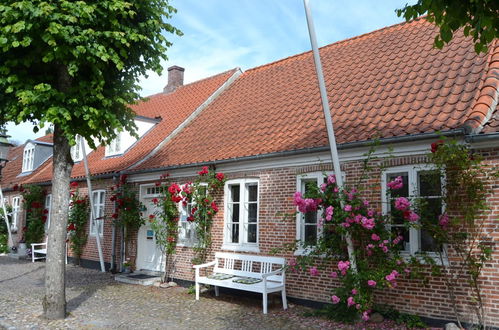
point(223, 34)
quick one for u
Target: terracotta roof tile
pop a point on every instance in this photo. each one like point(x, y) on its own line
point(174, 108)
point(386, 83)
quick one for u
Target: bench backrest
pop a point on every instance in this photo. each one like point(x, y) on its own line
point(248, 265)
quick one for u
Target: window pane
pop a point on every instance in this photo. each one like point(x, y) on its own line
point(427, 242)
point(252, 193)
point(234, 193)
point(404, 232)
point(429, 183)
point(252, 212)
point(404, 191)
point(252, 233)
point(235, 212)
point(310, 235)
point(311, 217)
point(235, 233)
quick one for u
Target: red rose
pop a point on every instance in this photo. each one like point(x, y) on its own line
point(114, 215)
point(164, 176)
point(44, 218)
point(435, 145)
point(174, 188)
point(151, 216)
point(73, 184)
point(220, 176)
point(184, 203)
point(194, 209)
point(15, 187)
point(214, 206)
point(123, 178)
point(113, 198)
point(176, 198)
point(203, 171)
point(190, 218)
point(171, 239)
point(157, 184)
point(71, 227)
point(45, 211)
point(25, 228)
point(36, 205)
point(155, 200)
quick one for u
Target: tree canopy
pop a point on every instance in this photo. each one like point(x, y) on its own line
point(477, 18)
point(96, 49)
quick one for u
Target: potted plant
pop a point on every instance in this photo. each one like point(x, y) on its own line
point(127, 267)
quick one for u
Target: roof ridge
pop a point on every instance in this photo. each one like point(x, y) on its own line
point(339, 42)
point(192, 83)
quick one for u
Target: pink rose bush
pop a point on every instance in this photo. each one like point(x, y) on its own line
point(378, 263)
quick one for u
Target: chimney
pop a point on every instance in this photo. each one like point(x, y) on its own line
point(175, 78)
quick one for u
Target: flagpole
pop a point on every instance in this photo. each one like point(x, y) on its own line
point(329, 121)
point(92, 210)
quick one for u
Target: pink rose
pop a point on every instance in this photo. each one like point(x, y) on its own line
point(371, 283)
point(402, 203)
point(335, 299)
point(350, 301)
point(396, 183)
point(348, 208)
point(375, 237)
point(313, 271)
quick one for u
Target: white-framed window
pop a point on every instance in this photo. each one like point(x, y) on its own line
point(28, 158)
point(241, 215)
point(16, 212)
point(423, 185)
point(187, 229)
point(97, 225)
point(76, 152)
point(115, 147)
point(48, 207)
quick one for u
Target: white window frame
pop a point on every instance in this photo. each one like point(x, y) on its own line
point(28, 158)
point(48, 206)
point(185, 226)
point(116, 146)
point(242, 244)
point(76, 151)
point(412, 170)
point(16, 211)
point(99, 211)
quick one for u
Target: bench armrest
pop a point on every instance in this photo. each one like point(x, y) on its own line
point(275, 272)
point(212, 263)
point(36, 244)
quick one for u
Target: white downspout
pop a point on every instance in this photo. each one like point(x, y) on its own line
point(6, 217)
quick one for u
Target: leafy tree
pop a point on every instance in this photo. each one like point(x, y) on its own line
point(478, 18)
point(75, 64)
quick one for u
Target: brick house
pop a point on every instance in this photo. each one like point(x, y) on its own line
point(267, 134)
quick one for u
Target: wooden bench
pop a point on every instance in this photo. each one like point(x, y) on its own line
point(268, 271)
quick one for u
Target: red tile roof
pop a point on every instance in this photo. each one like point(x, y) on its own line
point(387, 83)
point(174, 108)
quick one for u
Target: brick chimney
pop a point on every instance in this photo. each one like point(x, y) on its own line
point(175, 78)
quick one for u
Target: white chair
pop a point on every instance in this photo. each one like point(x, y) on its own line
point(41, 248)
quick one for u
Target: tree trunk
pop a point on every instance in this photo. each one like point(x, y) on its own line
point(54, 302)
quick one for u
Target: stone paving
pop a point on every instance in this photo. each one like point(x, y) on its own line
point(95, 300)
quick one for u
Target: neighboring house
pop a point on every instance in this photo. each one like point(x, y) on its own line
point(266, 132)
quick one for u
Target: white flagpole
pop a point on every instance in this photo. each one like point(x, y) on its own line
point(92, 213)
point(10, 242)
point(329, 121)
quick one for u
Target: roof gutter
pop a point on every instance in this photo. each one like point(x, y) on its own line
point(358, 144)
point(482, 137)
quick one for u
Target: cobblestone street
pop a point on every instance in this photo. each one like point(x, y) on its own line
point(95, 300)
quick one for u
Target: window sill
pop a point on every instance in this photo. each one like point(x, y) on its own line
point(433, 255)
point(302, 252)
point(241, 248)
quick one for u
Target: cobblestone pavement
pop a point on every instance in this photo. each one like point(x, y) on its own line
point(95, 300)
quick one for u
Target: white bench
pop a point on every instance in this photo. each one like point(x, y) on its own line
point(41, 248)
point(270, 270)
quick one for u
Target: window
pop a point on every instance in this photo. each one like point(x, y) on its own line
point(98, 199)
point(187, 229)
point(76, 152)
point(114, 148)
point(241, 215)
point(48, 207)
point(423, 186)
point(28, 158)
point(16, 211)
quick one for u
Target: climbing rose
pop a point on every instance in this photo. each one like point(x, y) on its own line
point(313, 271)
point(333, 275)
point(371, 283)
point(214, 206)
point(331, 179)
point(44, 218)
point(375, 237)
point(443, 221)
point(155, 200)
point(292, 262)
point(402, 203)
point(365, 316)
point(348, 208)
point(354, 291)
point(335, 299)
point(73, 184)
point(343, 267)
point(329, 213)
point(114, 215)
point(350, 301)
point(324, 186)
point(368, 223)
point(203, 171)
point(70, 227)
point(220, 176)
point(174, 188)
point(190, 218)
point(305, 205)
point(435, 145)
point(413, 217)
point(396, 183)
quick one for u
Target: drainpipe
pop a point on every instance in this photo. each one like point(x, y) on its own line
point(122, 243)
point(113, 237)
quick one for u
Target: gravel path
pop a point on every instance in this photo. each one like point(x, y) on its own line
point(95, 300)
